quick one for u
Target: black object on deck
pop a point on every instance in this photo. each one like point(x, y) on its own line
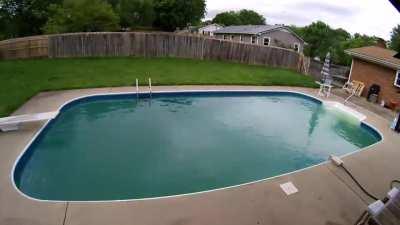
point(397, 127)
point(374, 89)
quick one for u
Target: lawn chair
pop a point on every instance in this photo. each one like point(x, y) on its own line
point(325, 87)
point(348, 86)
point(354, 87)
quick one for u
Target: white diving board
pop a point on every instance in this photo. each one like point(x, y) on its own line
point(13, 122)
point(342, 107)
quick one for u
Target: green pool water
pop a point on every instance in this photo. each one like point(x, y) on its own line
point(123, 148)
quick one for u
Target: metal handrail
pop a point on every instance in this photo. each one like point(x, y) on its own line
point(150, 91)
point(137, 88)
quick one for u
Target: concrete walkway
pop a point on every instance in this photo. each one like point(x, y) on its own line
point(362, 102)
point(326, 194)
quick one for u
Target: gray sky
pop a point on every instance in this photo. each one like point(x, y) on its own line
point(372, 17)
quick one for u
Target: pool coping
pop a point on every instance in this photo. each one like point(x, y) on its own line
point(68, 102)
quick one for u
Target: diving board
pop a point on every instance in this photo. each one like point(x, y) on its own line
point(13, 122)
point(344, 108)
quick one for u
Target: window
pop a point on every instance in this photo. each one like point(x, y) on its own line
point(266, 41)
point(253, 39)
point(225, 37)
point(232, 37)
point(241, 38)
point(397, 79)
point(296, 47)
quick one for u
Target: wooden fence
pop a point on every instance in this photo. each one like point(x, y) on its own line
point(23, 48)
point(148, 45)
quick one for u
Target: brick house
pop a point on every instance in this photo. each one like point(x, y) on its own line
point(377, 65)
point(266, 35)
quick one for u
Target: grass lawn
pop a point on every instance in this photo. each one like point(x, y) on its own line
point(22, 79)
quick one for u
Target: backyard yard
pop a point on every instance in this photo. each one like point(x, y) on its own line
point(22, 79)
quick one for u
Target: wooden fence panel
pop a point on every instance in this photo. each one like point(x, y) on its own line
point(340, 74)
point(24, 48)
point(147, 45)
point(89, 45)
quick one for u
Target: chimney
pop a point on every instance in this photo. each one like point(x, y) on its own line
point(380, 42)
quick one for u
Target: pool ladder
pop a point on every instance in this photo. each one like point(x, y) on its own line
point(137, 88)
point(150, 91)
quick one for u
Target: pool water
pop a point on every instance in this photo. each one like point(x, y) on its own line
point(120, 147)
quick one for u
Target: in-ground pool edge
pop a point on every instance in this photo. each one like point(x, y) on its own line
point(88, 96)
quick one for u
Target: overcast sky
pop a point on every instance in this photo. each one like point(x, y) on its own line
point(372, 17)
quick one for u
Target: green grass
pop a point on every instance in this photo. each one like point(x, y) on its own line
point(22, 79)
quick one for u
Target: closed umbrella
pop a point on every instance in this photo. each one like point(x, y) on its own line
point(326, 83)
point(326, 77)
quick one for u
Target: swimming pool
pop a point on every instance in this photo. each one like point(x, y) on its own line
point(118, 147)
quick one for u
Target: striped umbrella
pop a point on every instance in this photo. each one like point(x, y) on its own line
point(326, 77)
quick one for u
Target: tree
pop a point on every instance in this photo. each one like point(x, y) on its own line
point(321, 38)
point(250, 17)
point(227, 18)
point(356, 41)
point(82, 16)
point(242, 17)
point(395, 39)
point(135, 13)
point(23, 17)
point(172, 14)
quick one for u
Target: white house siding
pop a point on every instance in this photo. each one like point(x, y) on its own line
point(245, 37)
point(282, 38)
point(209, 29)
point(278, 38)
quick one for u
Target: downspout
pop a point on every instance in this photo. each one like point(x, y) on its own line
point(351, 70)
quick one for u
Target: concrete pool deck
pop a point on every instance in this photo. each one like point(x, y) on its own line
point(326, 194)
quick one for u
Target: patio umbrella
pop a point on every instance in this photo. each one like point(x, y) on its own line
point(326, 77)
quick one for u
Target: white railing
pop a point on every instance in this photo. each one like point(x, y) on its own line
point(150, 91)
point(137, 88)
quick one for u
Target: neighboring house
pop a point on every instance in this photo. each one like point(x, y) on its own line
point(209, 30)
point(187, 30)
point(377, 65)
point(267, 35)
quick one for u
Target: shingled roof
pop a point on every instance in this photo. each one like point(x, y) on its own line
point(378, 55)
point(247, 29)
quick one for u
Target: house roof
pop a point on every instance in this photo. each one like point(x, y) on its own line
point(253, 30)
point(247, 29)
point(212, 24)
point(378, 55)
